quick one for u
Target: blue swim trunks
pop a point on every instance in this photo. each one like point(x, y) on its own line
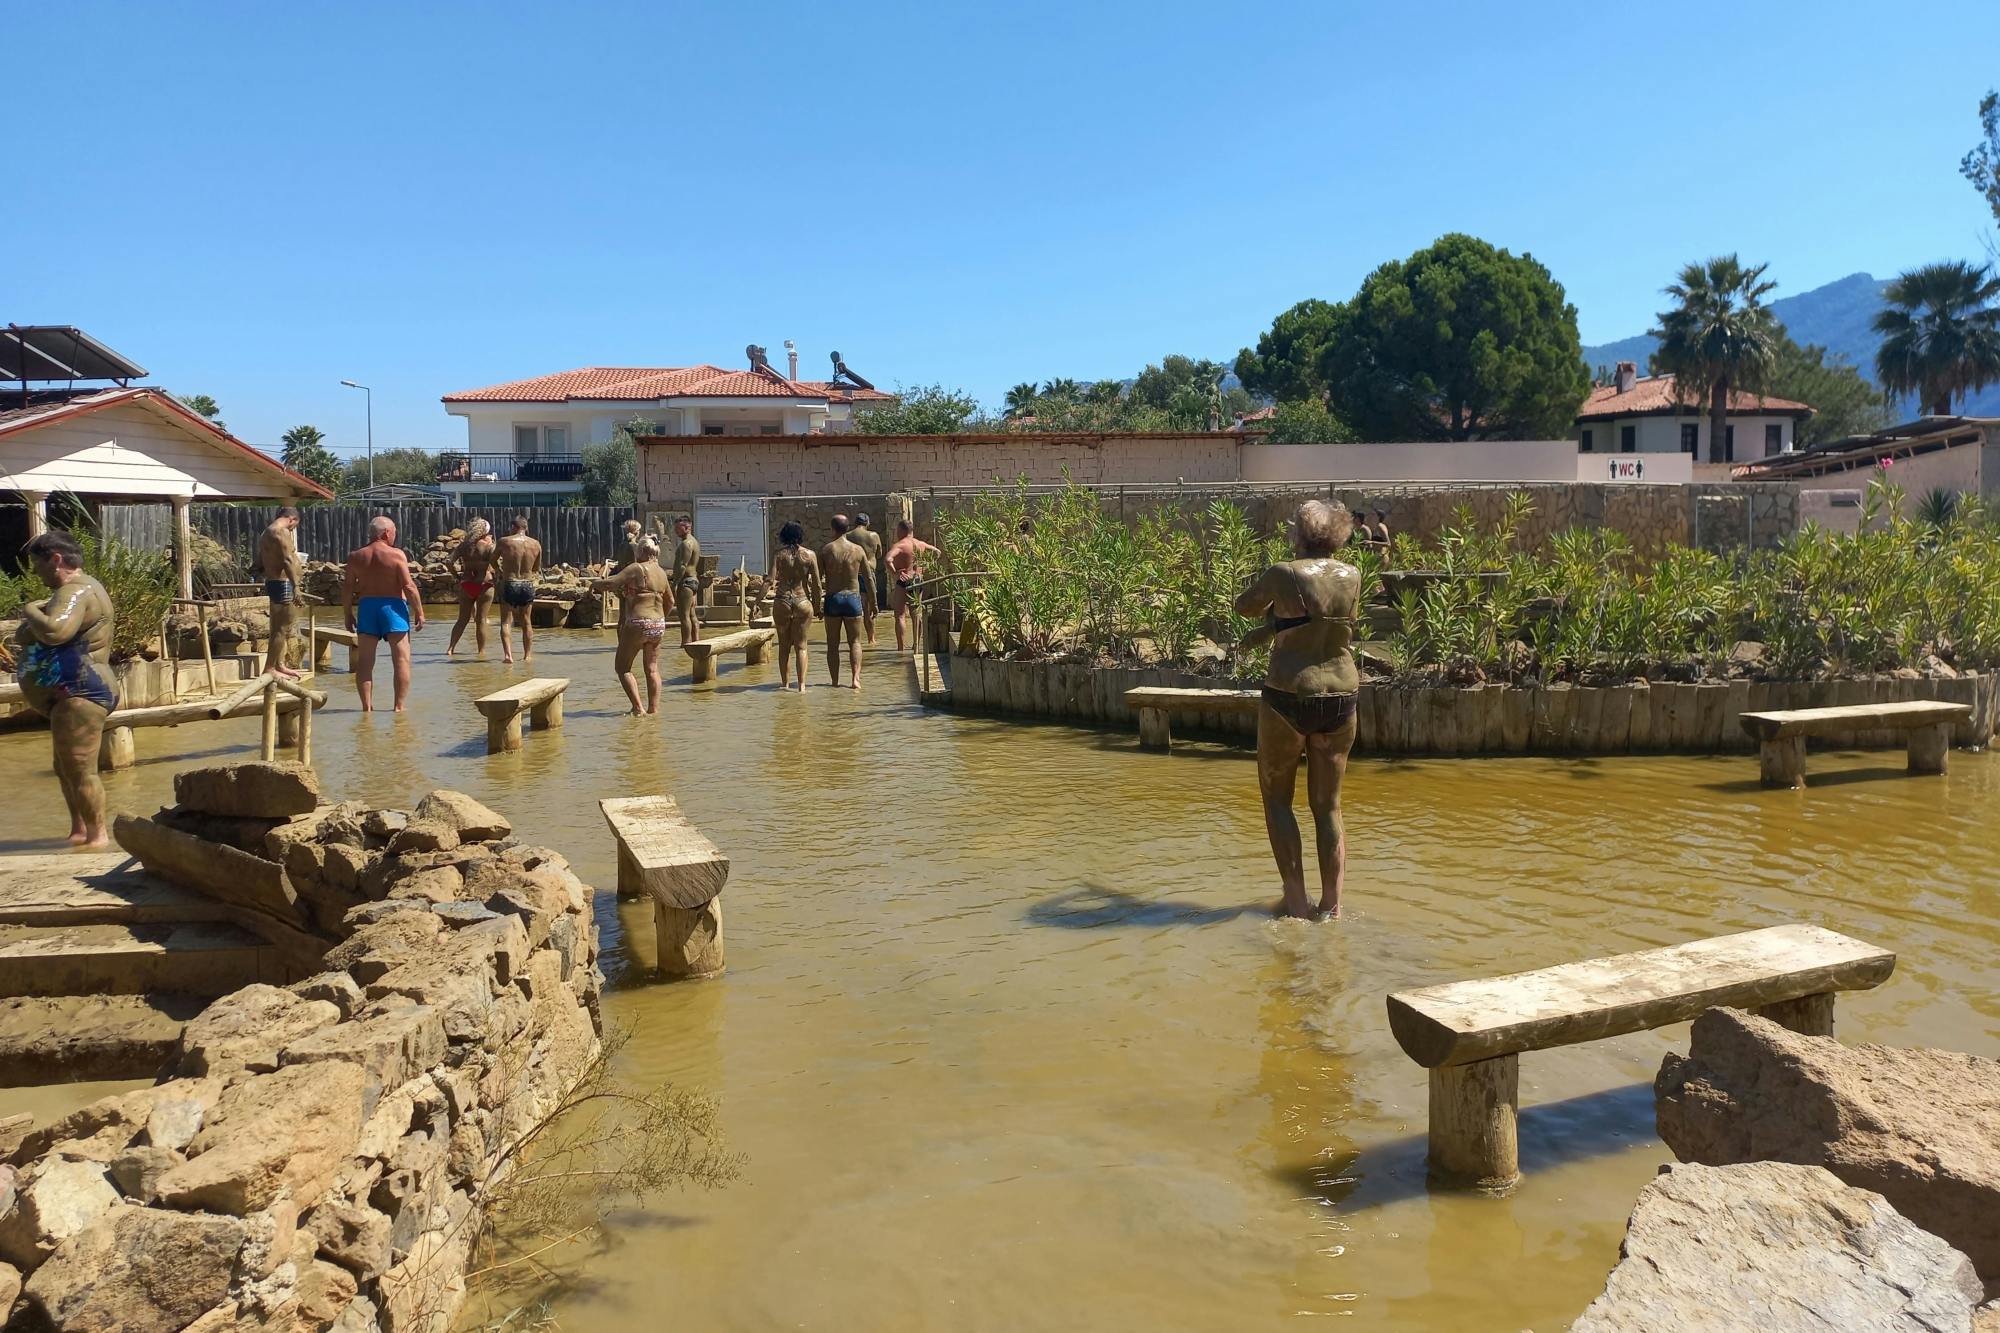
point(51, 673)
point(381, 616)
point(842, 605)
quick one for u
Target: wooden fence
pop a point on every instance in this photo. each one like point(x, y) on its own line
point(578, 535)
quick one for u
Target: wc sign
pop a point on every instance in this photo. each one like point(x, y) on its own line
point(1628, 469)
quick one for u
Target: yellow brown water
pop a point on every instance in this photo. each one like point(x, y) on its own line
point(1010, 1043)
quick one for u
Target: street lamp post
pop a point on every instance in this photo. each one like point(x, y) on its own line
point(371, 428)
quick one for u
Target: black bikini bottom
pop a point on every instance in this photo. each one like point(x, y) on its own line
point(1312, 714)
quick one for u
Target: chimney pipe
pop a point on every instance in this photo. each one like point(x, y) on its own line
point(792, 359)
point(1626, 376)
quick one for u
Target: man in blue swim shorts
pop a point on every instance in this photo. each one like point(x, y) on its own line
point(842, 565)
point(382, 603)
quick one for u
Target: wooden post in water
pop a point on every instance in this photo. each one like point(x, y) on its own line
point(1929, 748)
point(207, 653)
point(1472, 1124)
point(270, 746)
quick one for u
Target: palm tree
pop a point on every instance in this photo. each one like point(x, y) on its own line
point(1719, 336)
point(1061, 389)
point(203, 406)
point(1021, 400)
point(1940, 334)
point(1104, 391)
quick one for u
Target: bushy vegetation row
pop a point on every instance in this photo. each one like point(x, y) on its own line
point(1083, 585)
point(141, 584)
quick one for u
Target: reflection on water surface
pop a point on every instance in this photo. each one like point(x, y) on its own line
point(1011, 1045)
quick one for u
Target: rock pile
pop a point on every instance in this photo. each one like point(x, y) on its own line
point(315, 1159)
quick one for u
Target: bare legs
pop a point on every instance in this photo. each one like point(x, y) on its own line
point(517, 615)
point(399, 669)
point(283, 616)
point(794, 627)
point(690, 627)
point(833, 632)
point(471, 610)
point(76, 727)
point(1279, 750)
point(651, 652)
point(868, 608)
point(900, 600)
point(631, 646)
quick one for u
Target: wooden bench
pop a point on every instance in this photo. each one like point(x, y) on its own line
point(752, 643)
point(541, 698)
point(1470, 1034)
point(663, 856)
point(324, 637)
point(1781, 736)
point(1156, 705)
point(286, 723)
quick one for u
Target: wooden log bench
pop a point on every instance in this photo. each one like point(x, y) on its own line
point(1470, 1034)
point(663, 856)
point(1155, 705)
point(752, 643)
point(282, 707)
point(1781, 735)
point(540, 698)
point(324, 637)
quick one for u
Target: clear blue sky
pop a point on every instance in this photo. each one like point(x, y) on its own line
point(258, 200)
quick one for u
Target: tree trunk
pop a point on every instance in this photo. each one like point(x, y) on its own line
point(1718, 421)
point(1941, 403)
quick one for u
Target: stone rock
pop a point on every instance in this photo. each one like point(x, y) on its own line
point(55, 1199)
point(115, 1120)
point(1777, 1248)
point(256, 790)
point(472, 821)
point(360, 1316)
point(10, 1287)
point(388, 1122)
point(137, 1171)
point(381, 825)
point(352, 1235)
point(273, 1132)
point(335, 988)
point(1919, 1127)
point(391, 1045)
point(343, 865)
point(438, 884)
point(1986, 1319)
point(394, 938)
point(241, 832)
point(456, 914)
point(1746, 656)
point(247, 1028)
point(220, 871)
point(323, 1292)
point(424, 835)
point(367, 914)
point(13, 1130)
point(138, 1270)
point(1937, 668)
point(177, 1111)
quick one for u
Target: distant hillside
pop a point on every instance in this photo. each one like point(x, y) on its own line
point(1836, 316)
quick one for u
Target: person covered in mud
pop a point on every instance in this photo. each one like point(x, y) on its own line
point(1357, 529)
point(472, 559)
point(907, 572)
point(517, 558)
point(841, 563)
point(278, 562)
point(1311, 692)
point(795, 571)
point(1380, 529)
point(642, 589)
point(870, 541)
point(60, 646)
point(686, 579)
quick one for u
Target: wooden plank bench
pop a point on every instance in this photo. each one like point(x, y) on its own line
point(324, 637)
point(752, 643)
point(1156, 704)
point(540, 698)
point(1470, 1034)
point(663, 856)
point(1781, 735)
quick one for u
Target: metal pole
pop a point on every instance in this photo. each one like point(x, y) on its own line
point(369, 396)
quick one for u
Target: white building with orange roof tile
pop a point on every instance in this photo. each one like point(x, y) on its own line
point(525, 439)
point(1645, 414)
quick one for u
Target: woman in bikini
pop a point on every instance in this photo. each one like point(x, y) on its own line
point(798, 591)
point(474, 559)
point(1309, 699)
point(642, 590)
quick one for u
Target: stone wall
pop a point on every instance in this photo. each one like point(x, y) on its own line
point(1642, 717)
point(318, 1155)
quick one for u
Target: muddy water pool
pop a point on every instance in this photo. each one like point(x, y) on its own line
point(1011, 1043)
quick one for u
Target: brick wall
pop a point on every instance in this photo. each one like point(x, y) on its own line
point(674, 469)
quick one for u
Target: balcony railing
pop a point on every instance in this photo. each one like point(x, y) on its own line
point(509, 467)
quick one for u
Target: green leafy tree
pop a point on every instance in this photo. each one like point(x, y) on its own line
point(1285, 363)
point(927, 409)
point(1460, 341)
point(1718, 337)
point(1306, 421)
point(306, 453)
point(1844, 403)
point(1103, 392)
point(1021, 399)
point(1981, 166)
point(204, 407)
point(404, 465)
point(611, 470)
point(1940, 334)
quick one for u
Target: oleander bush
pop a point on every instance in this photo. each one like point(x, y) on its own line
point(1904, 593)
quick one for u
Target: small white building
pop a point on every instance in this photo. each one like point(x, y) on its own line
point(524, 440)
point(1643, 414)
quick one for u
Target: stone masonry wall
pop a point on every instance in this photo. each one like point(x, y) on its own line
point(317, 1156)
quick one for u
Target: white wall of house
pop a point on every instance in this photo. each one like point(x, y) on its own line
point(1661, 434)
point(489, 427)
point(1442, 461)
point(131, 450)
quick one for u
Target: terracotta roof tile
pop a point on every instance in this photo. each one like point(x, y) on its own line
point(1655, 393)
point(650, 383)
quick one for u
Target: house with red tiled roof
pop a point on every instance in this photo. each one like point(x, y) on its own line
point(525, 439)
point(1647, 414)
